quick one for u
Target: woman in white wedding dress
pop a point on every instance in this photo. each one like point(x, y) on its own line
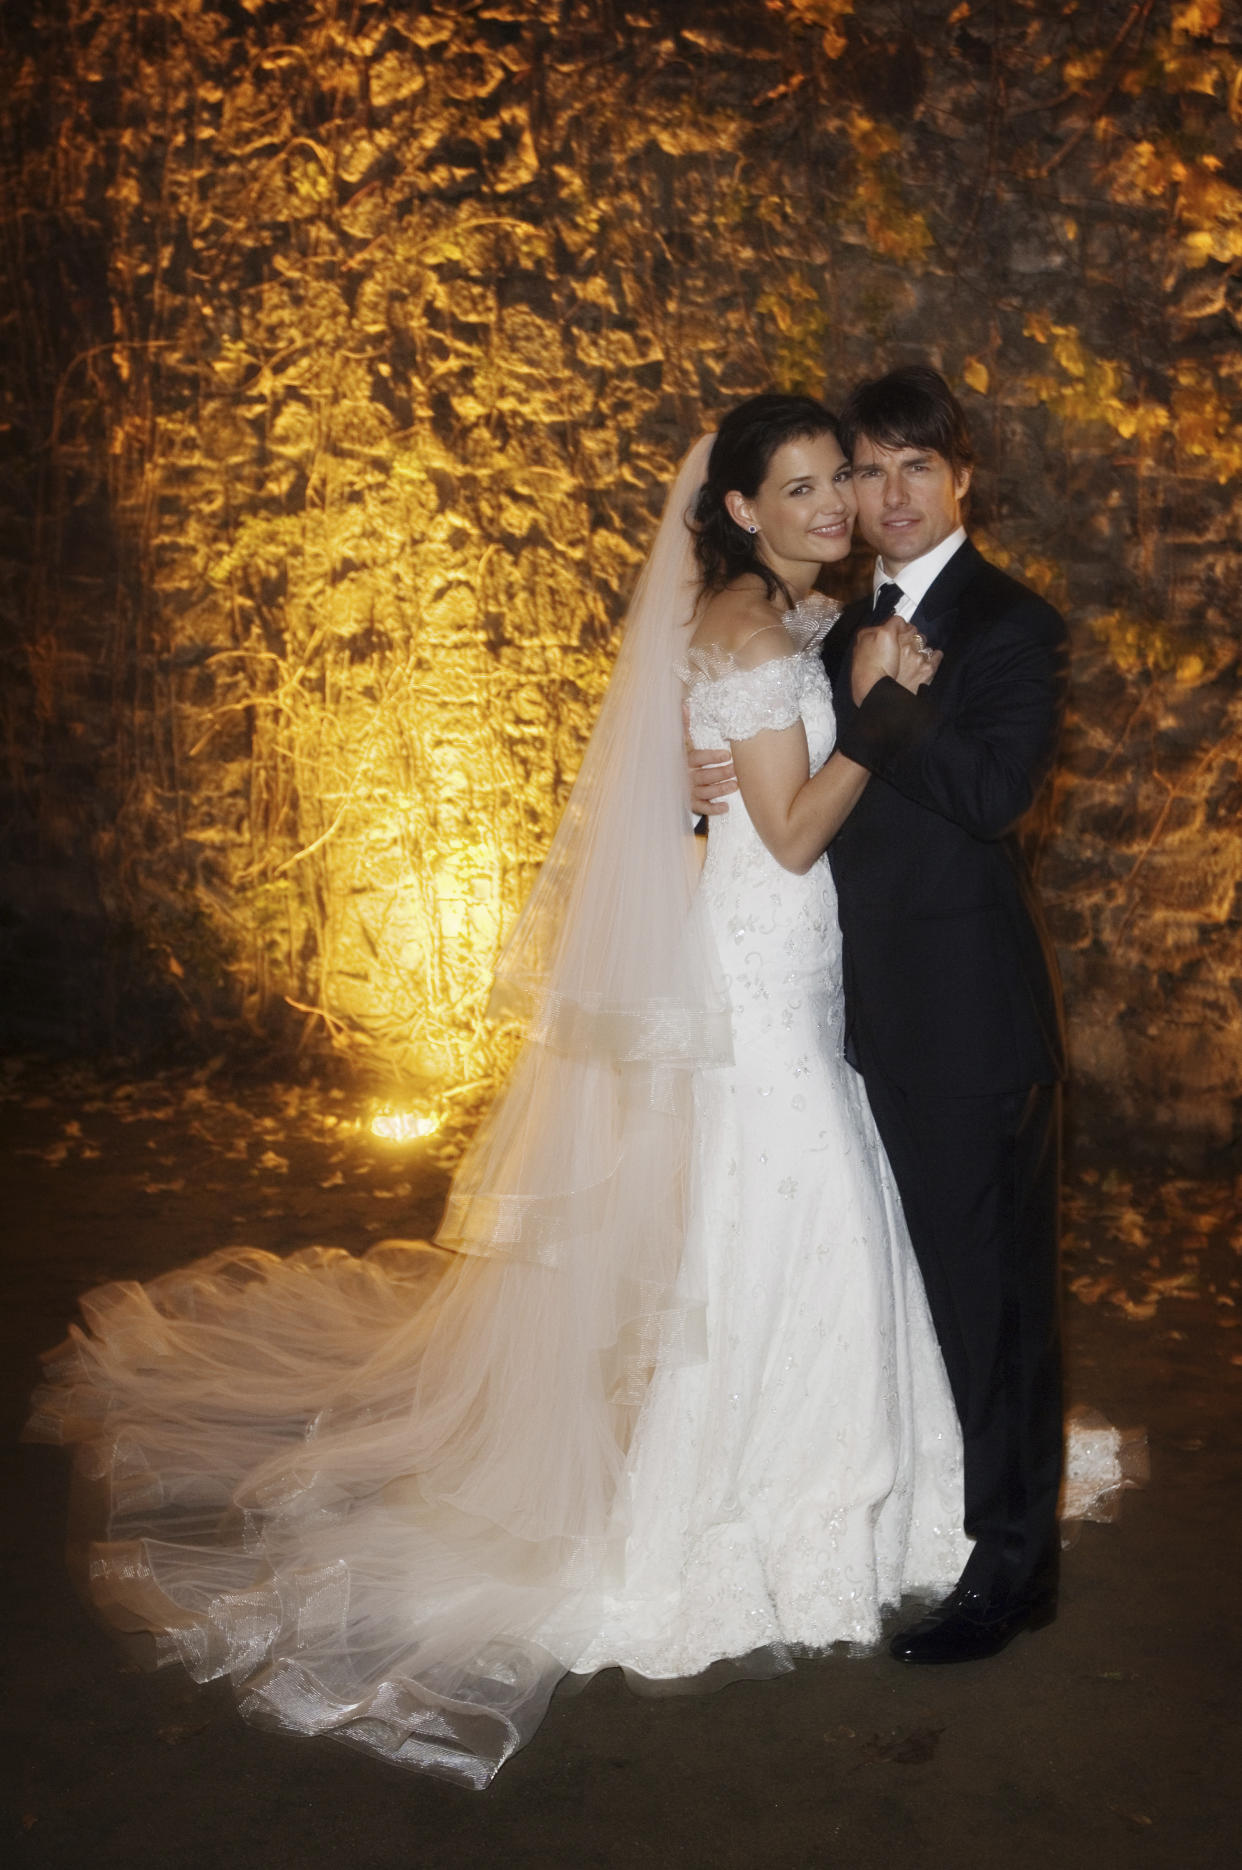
point(674, 1402)
point(793, 1484)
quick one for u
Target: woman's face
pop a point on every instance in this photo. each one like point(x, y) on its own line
point(804, 510)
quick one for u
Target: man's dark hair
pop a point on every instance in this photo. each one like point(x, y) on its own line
point(912, 407)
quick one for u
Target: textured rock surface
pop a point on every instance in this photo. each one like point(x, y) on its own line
point(349, 350)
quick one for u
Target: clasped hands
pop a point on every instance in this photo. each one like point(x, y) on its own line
point(893, 648)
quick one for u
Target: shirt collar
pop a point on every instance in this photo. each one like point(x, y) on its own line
point(917, 578)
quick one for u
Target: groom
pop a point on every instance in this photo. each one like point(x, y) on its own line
point(952, 1004)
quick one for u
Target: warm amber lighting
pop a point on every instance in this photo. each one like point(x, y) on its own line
point(402, 1126)
point(337, 464)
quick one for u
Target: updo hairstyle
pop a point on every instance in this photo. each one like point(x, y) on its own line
point(741, 454)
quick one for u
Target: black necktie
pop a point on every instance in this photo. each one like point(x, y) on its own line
point(887, 599)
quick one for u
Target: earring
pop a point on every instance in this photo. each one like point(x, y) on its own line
point(752, 529)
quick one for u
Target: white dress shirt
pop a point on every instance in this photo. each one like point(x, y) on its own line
point(917, 577)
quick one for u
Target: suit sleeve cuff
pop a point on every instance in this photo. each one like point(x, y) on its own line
point(890, 721)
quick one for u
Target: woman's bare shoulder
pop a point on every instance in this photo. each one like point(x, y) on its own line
point(732, 617)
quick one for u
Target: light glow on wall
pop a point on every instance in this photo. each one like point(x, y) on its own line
point(365, 350)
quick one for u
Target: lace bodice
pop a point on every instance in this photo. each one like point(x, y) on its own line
point(777, 934)
point(796, 935)
point(729, 702)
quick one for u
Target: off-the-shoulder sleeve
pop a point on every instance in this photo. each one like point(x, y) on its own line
point(746, 701)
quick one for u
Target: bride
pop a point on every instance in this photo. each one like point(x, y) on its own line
point(673, 1402)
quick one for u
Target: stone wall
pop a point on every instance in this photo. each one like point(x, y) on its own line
point(348, 351)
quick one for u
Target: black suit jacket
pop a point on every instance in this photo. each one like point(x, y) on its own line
point(949, 977)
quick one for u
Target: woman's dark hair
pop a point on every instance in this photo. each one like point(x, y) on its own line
point(912, 407)
point(741, 454)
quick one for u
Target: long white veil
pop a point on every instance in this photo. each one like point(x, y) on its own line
point(612, 968)
point(384, 1497)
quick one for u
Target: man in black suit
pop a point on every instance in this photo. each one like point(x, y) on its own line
point(952, 1004)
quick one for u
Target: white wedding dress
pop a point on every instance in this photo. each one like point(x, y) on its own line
point(794, 1484)
point(398, 1504)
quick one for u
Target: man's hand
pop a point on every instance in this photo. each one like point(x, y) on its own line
point(712, 778)
point(711, 774)
point(877, 652)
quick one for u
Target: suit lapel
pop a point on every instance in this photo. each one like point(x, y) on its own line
point(940, 611)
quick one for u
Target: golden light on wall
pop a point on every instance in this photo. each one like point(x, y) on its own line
point(433, 796)
point(366, 337)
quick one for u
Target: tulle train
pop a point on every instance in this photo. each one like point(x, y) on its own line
point(294, 1473)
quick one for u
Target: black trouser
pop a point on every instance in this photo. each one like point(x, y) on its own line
point(979, 1179)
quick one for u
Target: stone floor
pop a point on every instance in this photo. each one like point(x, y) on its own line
point(1109, 1740)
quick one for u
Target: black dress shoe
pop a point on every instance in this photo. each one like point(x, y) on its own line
point(964, 1629)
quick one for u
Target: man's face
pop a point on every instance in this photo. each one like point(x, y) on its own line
point(909, 499)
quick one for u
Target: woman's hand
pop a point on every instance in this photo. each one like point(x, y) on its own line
point(916, 663)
